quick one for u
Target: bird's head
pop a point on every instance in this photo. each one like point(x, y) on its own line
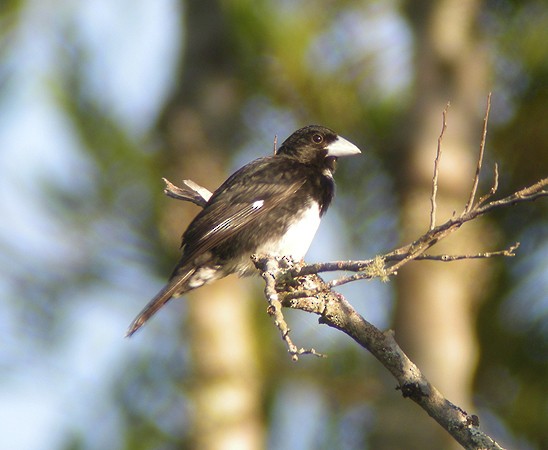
point(315, 144)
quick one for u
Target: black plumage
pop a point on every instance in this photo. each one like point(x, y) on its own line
point(270, 206)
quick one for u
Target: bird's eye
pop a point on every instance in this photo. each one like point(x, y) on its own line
point(317, 138)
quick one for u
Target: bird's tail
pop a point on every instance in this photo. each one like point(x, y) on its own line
point(174, 287)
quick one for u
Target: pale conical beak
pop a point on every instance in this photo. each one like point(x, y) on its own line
point(342, 147)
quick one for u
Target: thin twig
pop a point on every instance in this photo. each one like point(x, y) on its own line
point(275, 143)
point(437, 169)
point(270, 270)
point(359, 266)
point(493, 189)
point(412, 251)
point(509, 252)
point(474, 190)
point(332, 266)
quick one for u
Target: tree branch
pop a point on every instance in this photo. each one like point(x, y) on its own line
point(335, 311)
point(437, 169)
point(474, 190)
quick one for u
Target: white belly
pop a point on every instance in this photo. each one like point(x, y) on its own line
point(298, 237)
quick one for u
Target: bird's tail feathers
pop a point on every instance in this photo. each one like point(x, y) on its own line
point(175, 286)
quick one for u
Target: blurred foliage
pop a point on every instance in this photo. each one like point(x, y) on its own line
point(512, 325)
point(518, 34)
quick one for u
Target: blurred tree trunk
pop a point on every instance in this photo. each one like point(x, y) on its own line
point(200, 125)
point(436, 307)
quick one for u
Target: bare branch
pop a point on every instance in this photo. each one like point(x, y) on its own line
point(360, 265)
point(509, 252)
point(270, 274)
point(474, 190)
point(437, 169)
point(414, 250)
point(493, 189)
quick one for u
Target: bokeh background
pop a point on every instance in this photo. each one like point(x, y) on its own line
point(100, 99)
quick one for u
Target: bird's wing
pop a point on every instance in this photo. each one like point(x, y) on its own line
point(230, 212)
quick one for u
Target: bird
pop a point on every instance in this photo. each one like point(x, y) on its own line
point(271, 206)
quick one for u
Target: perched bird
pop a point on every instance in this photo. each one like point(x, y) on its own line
point(271, 206)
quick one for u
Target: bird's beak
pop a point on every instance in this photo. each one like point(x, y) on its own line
point(342, 147)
